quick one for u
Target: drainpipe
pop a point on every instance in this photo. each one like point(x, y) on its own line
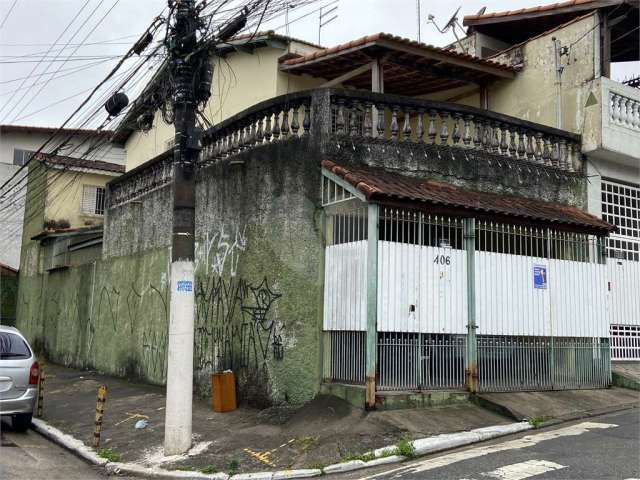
point(471, 370)
point(372, 305)
point(558, 83)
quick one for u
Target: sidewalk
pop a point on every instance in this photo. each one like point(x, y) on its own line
point(322, 432)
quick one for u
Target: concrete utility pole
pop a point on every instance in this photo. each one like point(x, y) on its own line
point(182, 64)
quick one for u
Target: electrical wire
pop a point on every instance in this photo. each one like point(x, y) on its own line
point(98, 23)
point(59, 37)
point(8, 13)
point(107, 78)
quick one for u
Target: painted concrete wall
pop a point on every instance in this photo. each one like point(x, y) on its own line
point(107, 314)
point(258, 278)
point(112, 315)
point(64, 196)
point(258, 283)
point(240, 80)
point(538, 78)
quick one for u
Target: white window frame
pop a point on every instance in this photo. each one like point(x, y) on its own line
point(620, 204)
point(93, 200)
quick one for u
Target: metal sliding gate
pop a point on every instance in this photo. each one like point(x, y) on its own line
point(540, 302)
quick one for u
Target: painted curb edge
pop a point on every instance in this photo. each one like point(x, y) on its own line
point(422, 446)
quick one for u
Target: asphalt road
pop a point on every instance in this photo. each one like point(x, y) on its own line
point(604, 447)
point(29, 456)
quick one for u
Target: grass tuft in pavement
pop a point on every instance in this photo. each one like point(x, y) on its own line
point(405, 448)
point(535, 422)
point(109, 454)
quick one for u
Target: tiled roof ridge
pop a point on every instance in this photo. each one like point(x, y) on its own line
point(485, 201)
point(539, 8)
point(388, 36)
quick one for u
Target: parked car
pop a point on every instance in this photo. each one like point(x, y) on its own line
point(19, 373)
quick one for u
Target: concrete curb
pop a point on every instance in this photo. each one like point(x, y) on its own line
point(382, 456)
point(625, 381)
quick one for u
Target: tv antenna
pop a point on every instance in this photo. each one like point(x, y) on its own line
point(290, 5)
point(452, 24)
point(324, 14)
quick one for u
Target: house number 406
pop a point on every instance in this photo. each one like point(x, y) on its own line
point(442, 260)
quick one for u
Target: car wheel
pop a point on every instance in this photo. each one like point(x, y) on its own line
point(21, 422)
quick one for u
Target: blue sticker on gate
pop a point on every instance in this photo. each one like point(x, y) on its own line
point(185, 286)
point(540, 276)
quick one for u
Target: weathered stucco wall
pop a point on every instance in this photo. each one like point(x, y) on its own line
point(139, 225)
point(109, 315)
point(532, 94)
point(258, 277)
point(258, 284)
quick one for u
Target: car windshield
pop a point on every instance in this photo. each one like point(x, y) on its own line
point(12, 346)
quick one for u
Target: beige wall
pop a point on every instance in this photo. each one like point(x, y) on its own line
point(64, 196)
point(240, 80)
point(532, 94)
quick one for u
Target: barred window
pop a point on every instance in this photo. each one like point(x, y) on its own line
point(93, 200)
point(621, 207)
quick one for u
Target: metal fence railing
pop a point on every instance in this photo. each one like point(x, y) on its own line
point(344, 356)
point(540, 301)
point(542, 363)
point(419, 361)
point(625, 342)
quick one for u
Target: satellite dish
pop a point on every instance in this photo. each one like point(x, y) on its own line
point(452, 21)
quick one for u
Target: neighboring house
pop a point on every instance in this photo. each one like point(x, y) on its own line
point(245, 73)
point(381, 215)
point(586, 41)
point(17, 143)
point(8, 294)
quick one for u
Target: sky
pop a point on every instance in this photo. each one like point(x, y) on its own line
point(37, 91)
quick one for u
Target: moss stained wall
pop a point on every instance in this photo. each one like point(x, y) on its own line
point(8, 297)
point(258, 286)
point(110, 315)
point(258, 277)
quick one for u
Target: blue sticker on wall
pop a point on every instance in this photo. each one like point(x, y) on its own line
point(185, 286)
point(540, 276)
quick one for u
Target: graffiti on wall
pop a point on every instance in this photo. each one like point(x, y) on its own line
point(74, 323)
point(237, 325)
point(219, 252)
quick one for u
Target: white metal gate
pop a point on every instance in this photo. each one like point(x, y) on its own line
point(541, 303)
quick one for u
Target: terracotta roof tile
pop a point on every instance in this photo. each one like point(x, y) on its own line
point(377, 183)
point(540, 8)
point(405, 41)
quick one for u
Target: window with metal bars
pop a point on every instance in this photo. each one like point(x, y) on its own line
point(93, 199)
point(621, 207)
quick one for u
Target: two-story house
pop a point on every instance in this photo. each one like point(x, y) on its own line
point(74, 202)
point(383, 215)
